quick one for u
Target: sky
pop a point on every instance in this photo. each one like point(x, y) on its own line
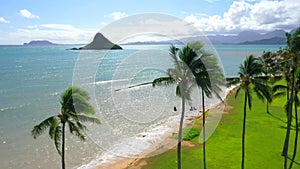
point(74, 21)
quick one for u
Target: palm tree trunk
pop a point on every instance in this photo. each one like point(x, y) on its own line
point(287, 138)
point(287, 91)
point(203, 129)
point(180, 133)
point(284, 149)
point(296, 136)
point(244, 130)
point(63, 166)
point(289, 122)
point(268, 107)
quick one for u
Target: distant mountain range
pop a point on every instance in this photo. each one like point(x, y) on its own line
point(243, 38)
point(250, 37)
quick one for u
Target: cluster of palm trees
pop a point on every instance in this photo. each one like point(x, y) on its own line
point(256, 74)
point(196, 68)
point(193, 67)
point(259, 74)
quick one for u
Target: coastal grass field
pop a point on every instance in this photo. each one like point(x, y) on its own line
point(265, 135)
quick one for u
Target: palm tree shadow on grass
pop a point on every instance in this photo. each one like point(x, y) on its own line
point(292, 128)
point(276, 117)
point(295, 162)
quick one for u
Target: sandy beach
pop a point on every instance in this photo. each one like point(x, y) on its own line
point(166, 144)
point(137, 162)
point(160, 147)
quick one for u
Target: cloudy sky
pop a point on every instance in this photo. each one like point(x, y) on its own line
point(74, 21)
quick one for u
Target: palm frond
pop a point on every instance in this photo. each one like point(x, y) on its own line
point(81, 126)
point(163, 81)
point(263, 91)
point(40, 128)
point(259, 94)
point(232, 81)
point(57, 139)
point(74, 129)
point(279, 88)
point(83, 118)
point(52, 130)
point(79, 91)
point(237, 91)
point(219, 97)
point(279, 94)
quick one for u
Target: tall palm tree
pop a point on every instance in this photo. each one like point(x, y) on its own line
point(250, 80)
point(293, 56)
point(209, 77)
point(204, 68)
point(296, 105)
point(183, 77)
point(74, 111)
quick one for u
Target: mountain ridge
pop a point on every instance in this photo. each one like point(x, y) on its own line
point(244, 37)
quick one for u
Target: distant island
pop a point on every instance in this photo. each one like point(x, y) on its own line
point(39, 43)
point(99, 42)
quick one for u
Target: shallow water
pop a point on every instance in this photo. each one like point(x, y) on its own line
point(33, 78)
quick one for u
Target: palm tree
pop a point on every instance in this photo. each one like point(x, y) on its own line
point(74, 111)
point(250, 80)
point(204, 68)
point(209, 77)
point(272, 65)
point(182, 76)
point(292, 55)
point(296, 104)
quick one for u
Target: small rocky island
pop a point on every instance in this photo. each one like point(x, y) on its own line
point(99, 42)
point(39, 43)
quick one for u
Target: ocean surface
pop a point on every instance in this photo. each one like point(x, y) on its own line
point(34, 77)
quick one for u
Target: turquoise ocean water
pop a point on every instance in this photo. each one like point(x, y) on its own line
point(33, 78)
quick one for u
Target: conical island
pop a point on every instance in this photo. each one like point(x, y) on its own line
point(99, 42)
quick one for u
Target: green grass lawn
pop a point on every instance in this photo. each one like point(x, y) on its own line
point(264, 140)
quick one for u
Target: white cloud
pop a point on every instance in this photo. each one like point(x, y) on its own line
point(27, 14)
point(2, 20)
point(139, 27)
point(118, 15)
point(264, 15)
point(57, 33)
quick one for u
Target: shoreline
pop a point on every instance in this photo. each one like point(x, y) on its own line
point(163, 145)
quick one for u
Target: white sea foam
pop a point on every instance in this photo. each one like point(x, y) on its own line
point(135, 147)
point(13, 107)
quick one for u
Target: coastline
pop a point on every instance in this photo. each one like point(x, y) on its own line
point(164, 144)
